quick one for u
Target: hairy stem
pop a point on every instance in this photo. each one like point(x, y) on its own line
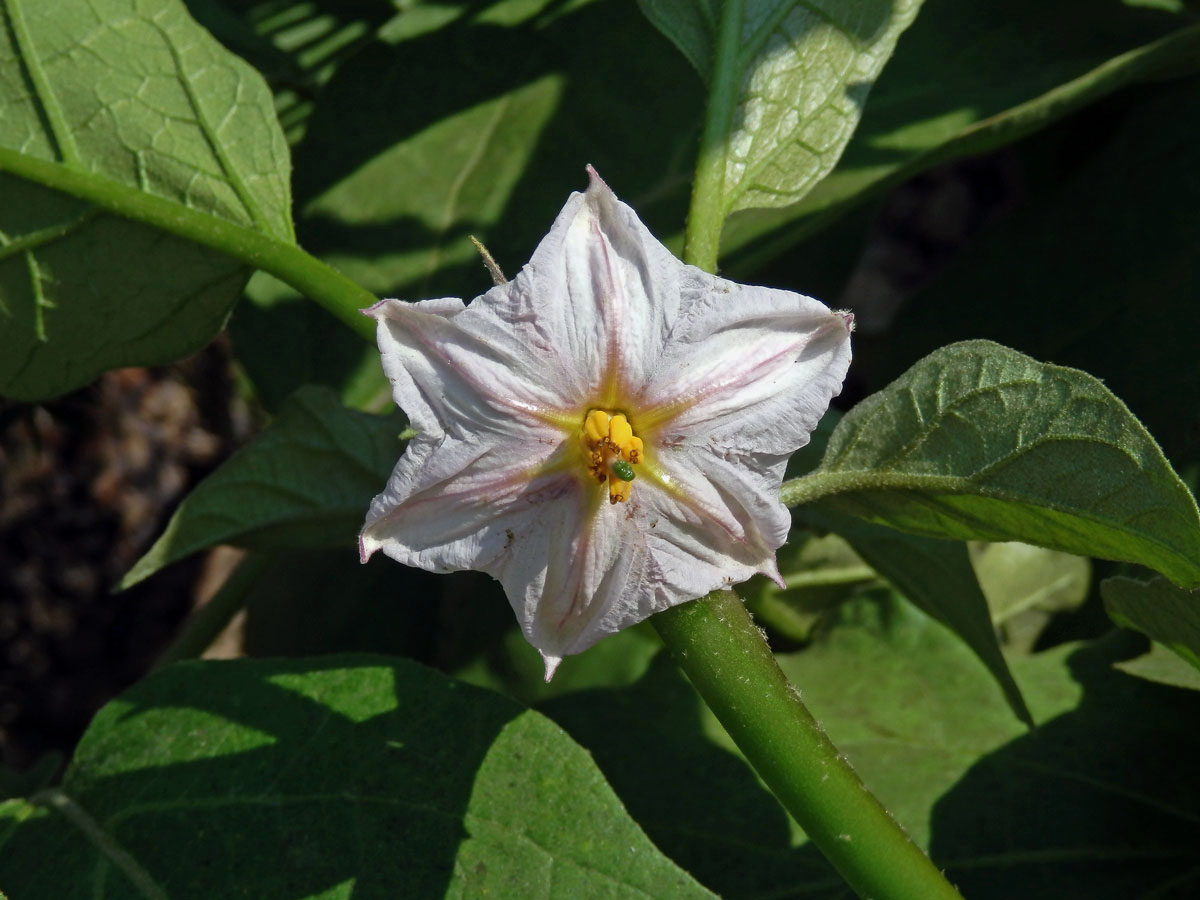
point(717, 645)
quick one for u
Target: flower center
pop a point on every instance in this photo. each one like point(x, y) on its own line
point(610, 451)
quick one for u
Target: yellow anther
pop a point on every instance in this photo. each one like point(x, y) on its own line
point(619, 431)
point(618, 490)
point(633, 450)
point(608, 439)
point(595, 426)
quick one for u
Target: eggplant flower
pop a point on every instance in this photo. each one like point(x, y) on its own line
point(606, 433)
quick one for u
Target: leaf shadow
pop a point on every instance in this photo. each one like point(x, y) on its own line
point(313, 795)
point(603, 59)
point(1100, 802)
point(700, 804)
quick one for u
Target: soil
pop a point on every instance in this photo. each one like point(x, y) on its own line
point(87, 482)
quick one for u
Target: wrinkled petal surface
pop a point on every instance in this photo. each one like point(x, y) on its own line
point(721, 381)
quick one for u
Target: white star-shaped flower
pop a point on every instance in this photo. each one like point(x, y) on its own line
point(606, 433)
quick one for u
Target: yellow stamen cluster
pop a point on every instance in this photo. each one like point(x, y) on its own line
point(607, 441)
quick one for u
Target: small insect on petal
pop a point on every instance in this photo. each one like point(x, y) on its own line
point(623, 470)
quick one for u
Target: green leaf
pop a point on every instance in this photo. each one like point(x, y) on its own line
point(1160, 610)
point(104, 102)
point(1056, 813)
point(283, 342)
point(936, 576)
point(1162, 666)
point(691, 25)
point(350, 775)
point(799, 82)
point(967, 78)
point(306, 481)
point(977, 441)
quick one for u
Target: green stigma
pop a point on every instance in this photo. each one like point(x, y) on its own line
point(623, 470)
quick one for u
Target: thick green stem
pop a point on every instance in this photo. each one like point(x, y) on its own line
point(717, 645)
point(210, 619)
point(702, 241)
point(283, 259)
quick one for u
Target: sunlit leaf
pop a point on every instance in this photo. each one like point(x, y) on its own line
point(351, 775)
point(1026, 586)
point(977, 441)
point(802, 76)
point(134, 98)
point(818, 574)
point(1162, 666)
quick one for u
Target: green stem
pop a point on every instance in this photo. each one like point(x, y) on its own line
point(702, 241)
point(717, 645)
point(210, 619)
point(285, 260)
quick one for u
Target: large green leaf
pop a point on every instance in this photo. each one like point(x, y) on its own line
point(971, 76)
point(1160, 610)
point(123, 100)
point(979, 441)
point(1060, 812)
point(351, 776)
point(936, 576)
point(306, 481)
point(802, 74)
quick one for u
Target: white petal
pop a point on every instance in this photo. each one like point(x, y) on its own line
point(584, 573)
point(455, 504)
point(718, 519)
point(452, 373)
point(598, 296)
point(749, 368)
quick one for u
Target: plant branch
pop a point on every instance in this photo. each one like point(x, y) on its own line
point(717, 645)
point(323, 284)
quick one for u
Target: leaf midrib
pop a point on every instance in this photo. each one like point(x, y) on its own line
point(215, 145)
point(819, 485)
point(42, 93)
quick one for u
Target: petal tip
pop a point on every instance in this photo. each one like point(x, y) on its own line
point(373, 311)
point(364, 552)
point(847, 318)
point(771, 570)
point(597, 186)
point(594, 178)
point(552, 664)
